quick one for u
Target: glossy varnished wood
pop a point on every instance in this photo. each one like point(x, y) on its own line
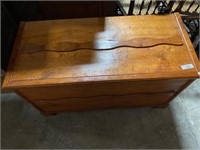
point(76, 97)
point(79, 104)
point(142, 66)
point(85, 65)
point(103, 89)
point(102, 44)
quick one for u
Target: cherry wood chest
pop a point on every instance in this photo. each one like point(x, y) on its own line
point(111, 62)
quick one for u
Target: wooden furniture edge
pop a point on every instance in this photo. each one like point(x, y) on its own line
point(180, 90)
point(100, 79)
point(13, 55)
point(189, 43)
point(184, 86)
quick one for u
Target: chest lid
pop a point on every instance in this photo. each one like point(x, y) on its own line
point(101, 49)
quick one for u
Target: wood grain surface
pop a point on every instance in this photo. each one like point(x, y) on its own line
point(99, 45)
point(123, 63)
point(80, 104)
point(79, 64)
point(102, 89)
point(77, 97)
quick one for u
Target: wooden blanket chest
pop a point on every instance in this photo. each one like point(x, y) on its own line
point(80, 64)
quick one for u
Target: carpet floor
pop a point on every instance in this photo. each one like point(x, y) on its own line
point(177, 126)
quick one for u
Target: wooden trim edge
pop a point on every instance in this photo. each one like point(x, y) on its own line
point(8, 73)
point(180, 90)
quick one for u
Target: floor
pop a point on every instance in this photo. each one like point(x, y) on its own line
point(177, 126)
